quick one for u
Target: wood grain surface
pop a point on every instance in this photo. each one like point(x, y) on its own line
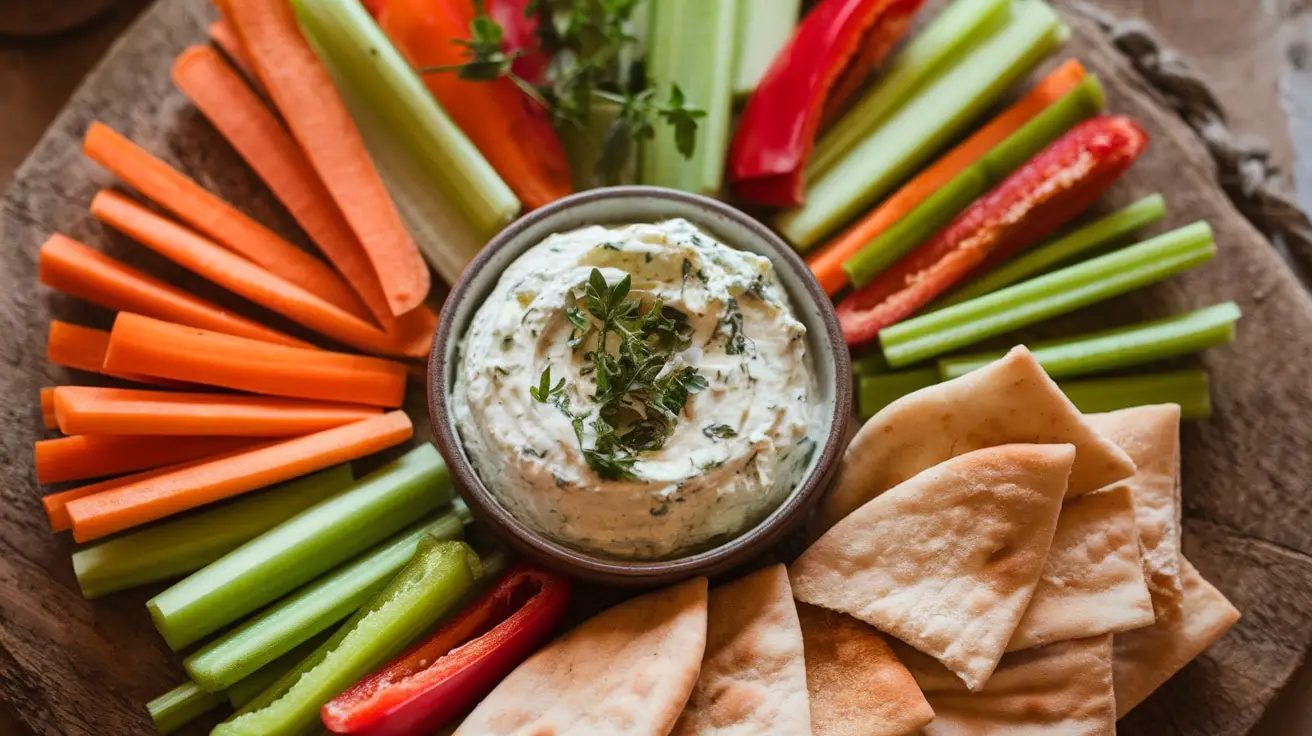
point(72, 667)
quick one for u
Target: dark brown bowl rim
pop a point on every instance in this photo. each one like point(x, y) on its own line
point(747, 546)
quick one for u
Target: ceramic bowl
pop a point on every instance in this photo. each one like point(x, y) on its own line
point(619, 206)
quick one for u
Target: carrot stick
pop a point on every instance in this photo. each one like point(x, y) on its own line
point(86, 273)
point(221, 33)
point(48, 418)
point(145, 345)
point(83, 348)
point(239, 114)
point(56, 504)
point(145, 501)
point(94, 456)
point(303, 92)
point(238, 275)
point(121, 411)
point(225, 224)
point(827, 264)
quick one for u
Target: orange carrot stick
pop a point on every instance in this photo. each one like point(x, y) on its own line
point(303, 92)
point(225, 224)
point(48, 418)
point(83, 348)
point(94, 456)
point(238, 275)
point(827, 264)
point(119, 411)
point(221, 33)
point(56, 504)
point(145, 501)
point(143, 345)
point(86, 273)
point(242, 118)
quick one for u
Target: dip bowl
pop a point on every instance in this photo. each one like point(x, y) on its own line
point(622, 206)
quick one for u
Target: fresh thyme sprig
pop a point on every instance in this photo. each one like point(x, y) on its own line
point(640, 389)
point(586, 40)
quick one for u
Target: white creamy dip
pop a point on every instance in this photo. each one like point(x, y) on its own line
point(737, 448)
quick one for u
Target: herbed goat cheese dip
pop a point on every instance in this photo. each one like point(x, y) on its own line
point(691, 423)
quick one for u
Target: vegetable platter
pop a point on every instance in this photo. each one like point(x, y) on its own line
point(68, 665)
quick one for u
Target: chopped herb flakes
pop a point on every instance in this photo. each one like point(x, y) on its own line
point(719, 431)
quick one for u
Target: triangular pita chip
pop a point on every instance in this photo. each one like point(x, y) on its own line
point(753, 678)
point(1008, 401)
point(1146, 658)
point(1151, 436)
point(948, 560)
point(857, 686)
point(1063, 688)
point(1093, 580)
point(627, 670)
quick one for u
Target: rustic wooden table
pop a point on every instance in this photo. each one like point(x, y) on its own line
point(1258, 55)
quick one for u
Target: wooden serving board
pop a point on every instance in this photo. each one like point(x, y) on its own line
point(72, 667)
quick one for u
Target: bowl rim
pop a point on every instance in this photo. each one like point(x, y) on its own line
point(751, 543)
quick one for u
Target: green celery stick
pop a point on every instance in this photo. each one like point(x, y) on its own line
point(301, 548)
point(174, 548)
point(941, 207)
point(182, 705)
point(928, 122)
point(1059, 292)
point(249, 687)
point(935, 48)
point(431, 168)
point(876, 392)
point(1063, 249)
point(692, 46)
point(434, 582)
point(271, 633)
point(871, 365)
point(1121, 347)
point(1189, 389)
point(763, 30)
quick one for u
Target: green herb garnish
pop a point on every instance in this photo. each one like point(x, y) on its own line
point(638, 393)
point(719, 431)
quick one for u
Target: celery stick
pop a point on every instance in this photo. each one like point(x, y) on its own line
point(182, 705)
point(692, 46)
point(876, 392)
point(944, 40)
point(174, 548)
point(1189, 389)
point(871, 365)
point(763, 31)
point(1028, 302)
point(271, 633)
point(1063, 249)
point(249, 687)
point(430, 586)
point(1121, 347)
point(930, 120)
point(943, 206)
point(301, 548)
point(397, 113)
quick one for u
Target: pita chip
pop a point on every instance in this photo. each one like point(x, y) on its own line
point(1008, 401)
point(856, 684)
point(947, 561)
point(753, 678)
point(1146, 658)
point(1063, 688)
point(1151, 436)
point(1093, 580)
point(628, 670)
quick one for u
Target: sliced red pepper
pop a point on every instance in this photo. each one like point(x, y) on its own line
point(509, 127)
point(828, 58)
point(520, 35)
point(1059, 183)
point(458, 665)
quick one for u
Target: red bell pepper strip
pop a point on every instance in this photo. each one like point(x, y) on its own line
point(458, 665)
point(1059, 183)
point(829, 56)
point(509, 127)
point(520, 35)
